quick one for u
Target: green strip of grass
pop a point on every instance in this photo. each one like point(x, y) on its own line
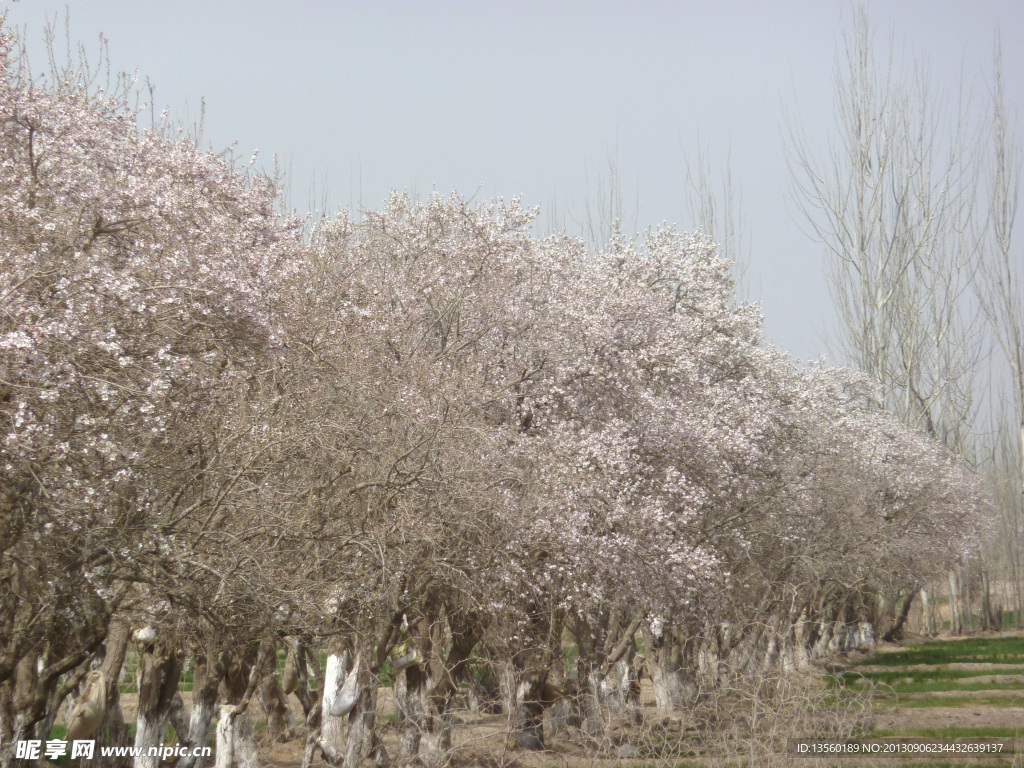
point(937, 686)
point(923, 675)
point(994, 650)
point(959, 701)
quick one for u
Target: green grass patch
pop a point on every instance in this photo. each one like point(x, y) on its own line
point(908, 676)
point(992, 650)
point(386, 676)
point(958, 701)
point(935, 686)
point(58, 732)
point(570, 655)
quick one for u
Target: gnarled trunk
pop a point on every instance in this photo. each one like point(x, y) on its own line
point(279, 719)
point(409, 700)
point(236, 739)
point(528, 723)
point(161, 669)
point(206, 679)
point(113, 730)
point(362, 742)
point(672, 680)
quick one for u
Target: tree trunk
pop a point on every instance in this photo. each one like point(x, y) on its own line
point(301, 686)
point(528, 724)
point(565, 713)
point(35, 694)
point(821, 645)
point(593, 703)
point(896, 630)
point(507, 689)
point(801, 657)
point(362, 736)
point(206, 679)
point(411, 709)
point(426, 723)
point(113, 730)
point(6, 713)
point(236, 741)
point(622, 689)
point(988, 619)
point(161, 669)
point(273, 701)
point(19, 732)
point(672, 681)
point(332, 731)
point(956, 620)
point(928, 618)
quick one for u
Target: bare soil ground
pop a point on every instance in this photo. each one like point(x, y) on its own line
point(478, 739)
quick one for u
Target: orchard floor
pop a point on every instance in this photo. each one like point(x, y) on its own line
point(943, 689)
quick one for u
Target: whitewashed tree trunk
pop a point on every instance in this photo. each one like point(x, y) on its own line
point(930, 620)
point(744, 658)
point(956, 620)
point(158, 684)
point(860, 636)
point(24, 684)
point(411, 707)
point(361, 742)
point(708, 665)
point(507, 690)
point(821, 645)
point(594, 703)
point(528, 723)
point(801, 657)
point(623, 689)
point(236, 740)
point(672, 688)
point(332, 731)
point(207, 675)
point(199, 721)
point(149, 735)
point(436, 746)
point(768, 657)
point(672, 681)
point(426, 725)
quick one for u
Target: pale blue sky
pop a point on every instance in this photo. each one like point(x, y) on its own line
point(531, 98)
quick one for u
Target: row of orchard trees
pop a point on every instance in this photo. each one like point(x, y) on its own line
point(222, 438)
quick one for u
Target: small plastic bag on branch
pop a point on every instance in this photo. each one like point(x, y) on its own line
point(90, 708)
point(347, 694)
point(403, 656)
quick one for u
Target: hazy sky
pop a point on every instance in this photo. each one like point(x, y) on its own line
point(532, 98)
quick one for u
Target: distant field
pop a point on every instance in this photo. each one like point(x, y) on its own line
point(945, 689)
